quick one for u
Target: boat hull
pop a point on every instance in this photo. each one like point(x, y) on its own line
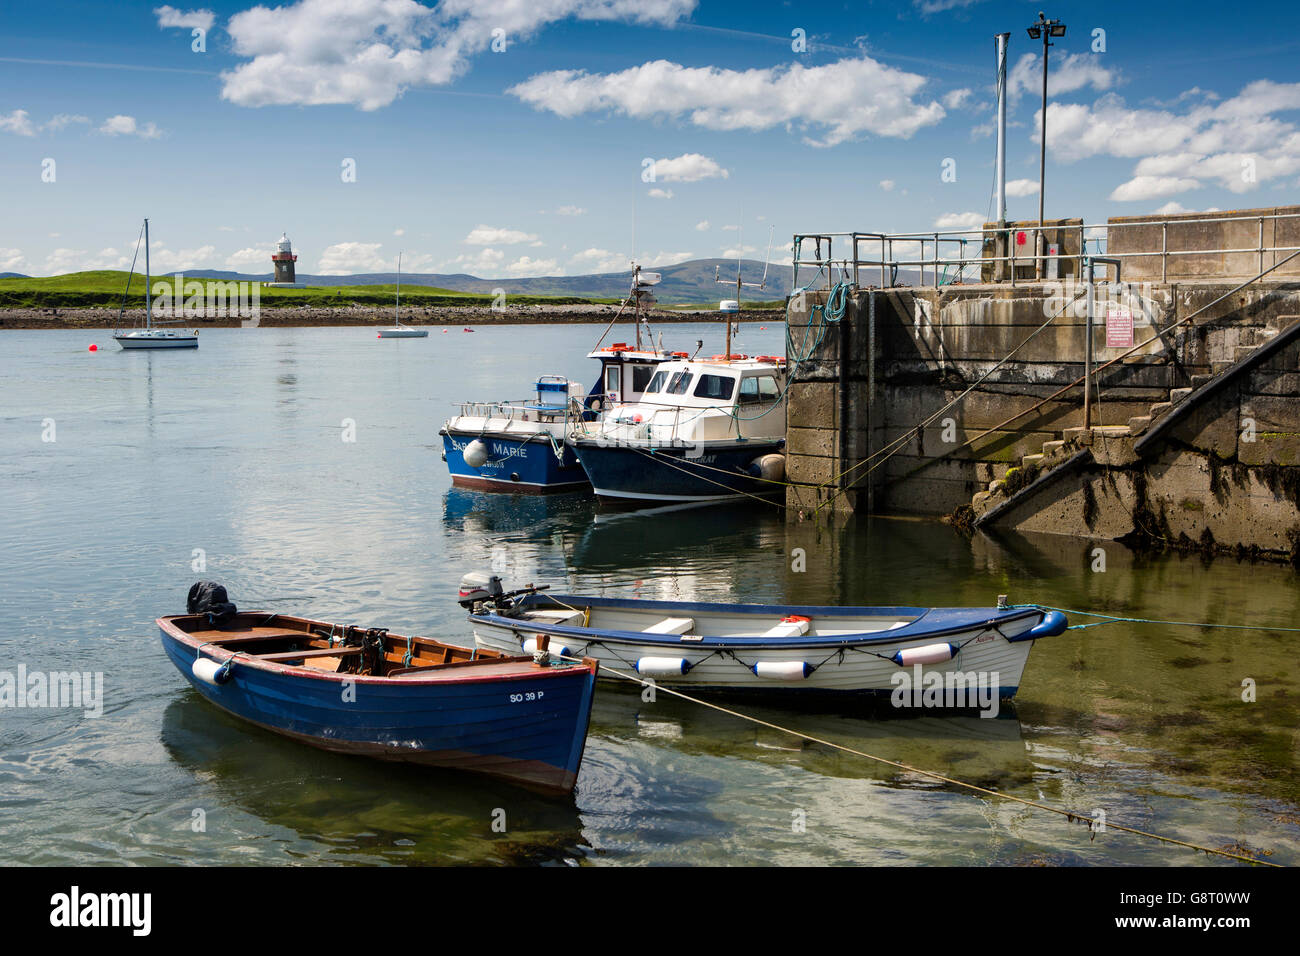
point(403, 333)
point(716, 471)
point(527, 729)
point(991, 646)
point(149, 342)
point(516, 464)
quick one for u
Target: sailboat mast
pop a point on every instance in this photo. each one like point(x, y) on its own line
point(148, 302)
point(398, 303)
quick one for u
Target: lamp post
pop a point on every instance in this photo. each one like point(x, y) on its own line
point(1044, 29)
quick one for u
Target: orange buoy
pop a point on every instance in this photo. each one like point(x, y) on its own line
point(93, 348)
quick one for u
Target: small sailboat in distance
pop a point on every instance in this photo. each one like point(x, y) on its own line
point(400, 331)
point(150, 337)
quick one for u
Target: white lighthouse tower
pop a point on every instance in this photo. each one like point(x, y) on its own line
point(283, 259)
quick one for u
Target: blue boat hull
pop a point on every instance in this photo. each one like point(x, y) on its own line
point(516, 465)
point(528, 730)
point(628, 473)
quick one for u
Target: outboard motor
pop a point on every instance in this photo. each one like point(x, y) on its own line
point(210, 598)
point(479, 586)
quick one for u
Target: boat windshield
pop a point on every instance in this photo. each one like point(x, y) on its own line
point(680, 382)
point(656, 383)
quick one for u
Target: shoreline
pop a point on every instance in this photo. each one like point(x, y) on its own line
point(310, 316)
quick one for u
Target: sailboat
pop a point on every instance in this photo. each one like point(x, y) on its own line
point(150, 337)
point(400, 331)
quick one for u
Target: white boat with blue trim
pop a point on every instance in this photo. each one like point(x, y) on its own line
point(521, 446)
point(766, 647)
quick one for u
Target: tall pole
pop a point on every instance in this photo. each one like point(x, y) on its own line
point(148, 302)
point(1042, 166)
point(1000, 42)
point(397, 302)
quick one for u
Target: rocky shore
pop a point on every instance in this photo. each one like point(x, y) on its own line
point(315, 316)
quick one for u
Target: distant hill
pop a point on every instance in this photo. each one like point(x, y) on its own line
point(686, 282)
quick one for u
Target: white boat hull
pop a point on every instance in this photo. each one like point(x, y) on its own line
point(988, 656)
point(403, 333)
point(129, 341)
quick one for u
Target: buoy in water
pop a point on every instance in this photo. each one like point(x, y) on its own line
point(93, 348)
point(476, 453)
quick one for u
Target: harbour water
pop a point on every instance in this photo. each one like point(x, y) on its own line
point(232, 463)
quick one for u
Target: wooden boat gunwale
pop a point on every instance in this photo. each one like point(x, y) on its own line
point(489, 662)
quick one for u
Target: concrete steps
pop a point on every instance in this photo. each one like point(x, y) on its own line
point(1111, 445)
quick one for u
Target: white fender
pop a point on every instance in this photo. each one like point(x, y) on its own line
point(662, 666)
point(207, 670)
point(783, 670)
point(928, 654)
point(476, 453)
point(555, 647)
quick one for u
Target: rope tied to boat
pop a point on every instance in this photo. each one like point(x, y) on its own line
point(1071, 816)
point(1110, 619)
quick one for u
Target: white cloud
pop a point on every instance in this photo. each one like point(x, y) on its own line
point(12, 260)
point(736, 253)
point(600, 260)
point(64, 260)
point(956, 99)
point(1151, 187)
point(1022, 187)
point(570, 211)
point(702, 226)
point(1173, 208)
point(1068, 72)
point(17, 122)
point(658, 193)
point(840, 101)
point(688, 168)
point(1237, 143)
point(668, 258)
point(127, 126)
point(169, 260)
point(399, 232)
point(189, 19)
point(887, 185)
point(64, 120)
point(959, 221)
point(252, 259)
point(367, 52)
point(493, 235)
point(347, 258)
point(526, 266)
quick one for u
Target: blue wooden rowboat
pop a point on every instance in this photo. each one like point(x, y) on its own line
point(366, 691)
point(895, 652)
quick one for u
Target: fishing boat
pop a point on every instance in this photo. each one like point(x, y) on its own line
point(520, 445)
point(768, 647)
point(400, 331)
point(367, 691)
point(151, 337)
point(703, 430)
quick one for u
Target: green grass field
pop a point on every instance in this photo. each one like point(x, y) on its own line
point(104, 288)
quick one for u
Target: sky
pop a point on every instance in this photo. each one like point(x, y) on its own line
point(510, 138)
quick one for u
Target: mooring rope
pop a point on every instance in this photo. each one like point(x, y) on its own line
point(1110, 619)
point(1071, 815)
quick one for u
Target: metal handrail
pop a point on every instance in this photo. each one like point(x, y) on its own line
point(933, 256)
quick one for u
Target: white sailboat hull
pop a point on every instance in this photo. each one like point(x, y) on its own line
point(129, 340)
point(403, 333)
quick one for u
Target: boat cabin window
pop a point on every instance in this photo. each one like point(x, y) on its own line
point(656, 383)
point(718, 387)
point(759, 389)
point(613, 380)
point(641, 377)
point(680, 382)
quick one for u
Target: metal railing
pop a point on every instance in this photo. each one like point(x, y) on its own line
point(948, 250)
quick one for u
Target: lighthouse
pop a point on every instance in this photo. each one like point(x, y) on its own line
point(283, 259)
